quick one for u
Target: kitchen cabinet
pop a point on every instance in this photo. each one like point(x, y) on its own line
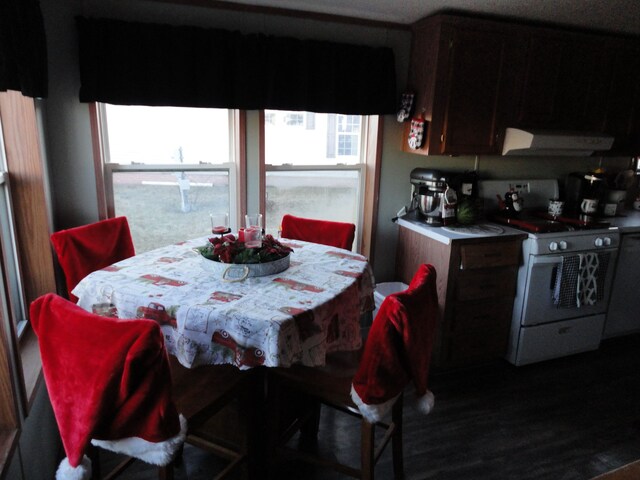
point(474, 77)
point(620, 115)
point(476, 289)
point(623, 316)
point(560, 82)
point(464, 86)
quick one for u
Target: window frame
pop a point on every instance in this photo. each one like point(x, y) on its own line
point(371, 145)
point(20, 364)
point(104, 169)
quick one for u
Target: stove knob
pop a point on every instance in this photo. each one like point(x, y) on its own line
point(553, 246)
point(607, 241)
point(563, 245)
point(598, 242)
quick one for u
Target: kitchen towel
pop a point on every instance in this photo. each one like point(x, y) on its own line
point(587, 286)
point(564, 291)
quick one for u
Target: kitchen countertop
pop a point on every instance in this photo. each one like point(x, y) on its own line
point(446, 235)
point(628, 221)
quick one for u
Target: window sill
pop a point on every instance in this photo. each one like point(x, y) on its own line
point(8, 442)
point(31, 364)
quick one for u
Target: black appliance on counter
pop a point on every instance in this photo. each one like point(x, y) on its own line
point(579, 186)
point(427, 190)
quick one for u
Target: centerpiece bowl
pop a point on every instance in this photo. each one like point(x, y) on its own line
point(233, 261)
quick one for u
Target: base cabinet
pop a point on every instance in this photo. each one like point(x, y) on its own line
point(476, 289)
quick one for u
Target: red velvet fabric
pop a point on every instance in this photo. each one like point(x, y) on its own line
point(398, 348)
point(85, 249)
point(333, 234)
point(107, 379)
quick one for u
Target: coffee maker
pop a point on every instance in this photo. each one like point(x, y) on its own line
point(427, 193)
point(581, 186)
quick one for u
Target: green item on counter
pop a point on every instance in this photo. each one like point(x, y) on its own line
point(467, 212)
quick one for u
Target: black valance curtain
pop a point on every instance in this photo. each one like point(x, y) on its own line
point(131, 63)
point(23, 48)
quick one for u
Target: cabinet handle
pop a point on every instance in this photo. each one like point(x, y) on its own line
point(442, 138)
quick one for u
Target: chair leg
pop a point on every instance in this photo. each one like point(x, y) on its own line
point(166, 472)
point(367, 450)
point(309, 429)
point(396, 440)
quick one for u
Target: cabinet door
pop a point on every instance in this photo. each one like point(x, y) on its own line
point(473, 94)
point(622, 110)
point(560, 81)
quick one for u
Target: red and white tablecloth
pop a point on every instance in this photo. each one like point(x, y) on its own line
point(295, 316)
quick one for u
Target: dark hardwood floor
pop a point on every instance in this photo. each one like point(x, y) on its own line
point(565, 419)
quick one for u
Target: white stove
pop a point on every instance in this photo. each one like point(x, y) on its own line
point(564, 281)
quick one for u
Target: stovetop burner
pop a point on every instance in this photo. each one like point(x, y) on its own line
point(539, 221)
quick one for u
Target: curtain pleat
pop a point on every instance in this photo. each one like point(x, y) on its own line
point(23, 48)
point(129, 63)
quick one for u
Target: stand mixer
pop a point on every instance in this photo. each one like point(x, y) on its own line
point(428, 187)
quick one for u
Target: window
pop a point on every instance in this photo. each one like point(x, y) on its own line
point(167, 168)
point(316, 171)
point(16, 302)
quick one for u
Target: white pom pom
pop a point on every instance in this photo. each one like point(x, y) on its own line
point(81, 472)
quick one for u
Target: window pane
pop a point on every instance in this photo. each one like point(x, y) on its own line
point(306, 138)
point(327, 195)
point(167, 135)
point(169, 207)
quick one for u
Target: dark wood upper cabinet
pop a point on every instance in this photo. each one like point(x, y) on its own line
point(621, 110)
point(464, 84)
point(475, 77)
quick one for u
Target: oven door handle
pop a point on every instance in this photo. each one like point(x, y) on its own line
point(546, 259)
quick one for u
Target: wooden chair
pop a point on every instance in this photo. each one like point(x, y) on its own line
point(87, 248)
point(93, 363)
point(222, 405)
point(367, 383)
point(109, 383)
point(333, 234)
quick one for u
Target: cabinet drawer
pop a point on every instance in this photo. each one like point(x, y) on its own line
point(480, 332)
point(488, 283)
point(499, 254)
point(482, 317)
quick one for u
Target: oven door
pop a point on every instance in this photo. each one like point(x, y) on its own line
point(539, 304)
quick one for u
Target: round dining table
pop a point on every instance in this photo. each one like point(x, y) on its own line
point(295, 316)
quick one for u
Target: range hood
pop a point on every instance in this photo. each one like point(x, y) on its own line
point(549, 142)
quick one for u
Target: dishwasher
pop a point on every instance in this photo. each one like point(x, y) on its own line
point(623, 316)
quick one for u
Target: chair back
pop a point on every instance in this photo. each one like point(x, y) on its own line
point(398, 348)
point(85, 249)
point(325, 232)
point(107, 379)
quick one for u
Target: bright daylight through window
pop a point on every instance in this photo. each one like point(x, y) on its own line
point(167, 169)
point(314, 166)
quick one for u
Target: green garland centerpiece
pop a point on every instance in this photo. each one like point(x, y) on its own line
point(228, 249)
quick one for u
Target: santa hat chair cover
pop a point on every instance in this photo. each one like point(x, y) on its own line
point(109, 383)
point(398, 349)
point(87, 248)
point(324, 232)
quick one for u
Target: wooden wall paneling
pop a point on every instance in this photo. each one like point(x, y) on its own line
point(26, 175)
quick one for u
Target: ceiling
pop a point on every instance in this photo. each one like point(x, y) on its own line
point(621, 16)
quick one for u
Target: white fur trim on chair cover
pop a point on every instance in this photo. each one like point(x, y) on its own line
point(372, 413)
point(158, 453)
point(67, 472)
point(424, 404)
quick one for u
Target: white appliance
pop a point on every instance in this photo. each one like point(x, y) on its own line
point(548, 142)
point(548, 321)
point(624, 308)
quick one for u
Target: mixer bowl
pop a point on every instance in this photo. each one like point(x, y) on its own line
point(429, 206)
